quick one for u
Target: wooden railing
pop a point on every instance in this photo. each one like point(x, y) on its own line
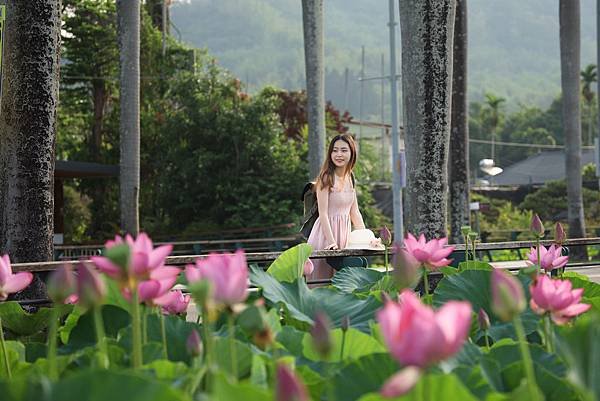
point(265, 257)
point(199, 247)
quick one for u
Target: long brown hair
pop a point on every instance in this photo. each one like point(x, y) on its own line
point(325, 178)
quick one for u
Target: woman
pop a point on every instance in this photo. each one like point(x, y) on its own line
point(336, 200)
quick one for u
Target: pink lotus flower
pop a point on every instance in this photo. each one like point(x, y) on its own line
point(431, 254)
point(160, 282)
point(508, 298)
point(9, 282)
point(289, 387)
point(143, 259)
point(416, 335)
point(173, 303)
point(145, 271)
point(550, 257)
point(227, 273)
point(557, 298)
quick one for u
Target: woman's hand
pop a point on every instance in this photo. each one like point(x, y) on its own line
point(332, 247)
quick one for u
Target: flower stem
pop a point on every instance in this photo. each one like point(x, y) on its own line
point(144, 326)
point(425, 282)
point(487, 340)
point(5, 352)
point(548, 332)
point(343, 344)
point(330, 383)
point(232, 345)
point(100, 335)
point(537, 241)
point(386, 260)
point(527, 361)
point(207, 348)
point(163, 334)
point(52, 334)
point(136, 331)
point(467, 250)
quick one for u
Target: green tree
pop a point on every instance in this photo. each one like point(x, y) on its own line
point(589, 75)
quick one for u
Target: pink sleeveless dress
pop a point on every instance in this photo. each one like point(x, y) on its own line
point(339, 205)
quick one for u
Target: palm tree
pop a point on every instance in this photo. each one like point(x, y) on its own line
point(493, 104)
point(28, 133)
point(312, 22)
point(588, 77)
point(128, 12)
point(458, 165)
point(570, 42)
point(427, 47)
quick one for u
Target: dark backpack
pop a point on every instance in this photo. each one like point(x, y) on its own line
point(311, 207)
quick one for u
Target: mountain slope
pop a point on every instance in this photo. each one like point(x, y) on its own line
point(513, 48)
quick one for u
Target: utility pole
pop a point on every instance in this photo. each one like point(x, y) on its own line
point(346, 73)
point(382, 118)
point(597, 141)
point(164, 27)
point(397, 156)
point(362, 95)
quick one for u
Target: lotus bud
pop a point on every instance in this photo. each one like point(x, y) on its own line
point(90, 286)
point(308, 268)
point(345, 323)
point(406, 267)
point(536, 226)
point(465, 230)
point(321, 336)
point(386, 236)
point(194, 344)
point(61, 284)
point(289, 387)
point(508, 299)
point(483, 320)
point(559, 234)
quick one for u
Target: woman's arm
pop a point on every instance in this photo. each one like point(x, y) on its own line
point(323, 205)
point(355, 216)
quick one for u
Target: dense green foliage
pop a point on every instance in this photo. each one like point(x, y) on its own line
point(212, 156)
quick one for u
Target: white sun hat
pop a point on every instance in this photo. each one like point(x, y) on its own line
point(364, 239)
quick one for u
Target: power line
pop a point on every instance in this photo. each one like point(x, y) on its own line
point(524, 145)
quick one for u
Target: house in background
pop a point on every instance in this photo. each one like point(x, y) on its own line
point(538, 169)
